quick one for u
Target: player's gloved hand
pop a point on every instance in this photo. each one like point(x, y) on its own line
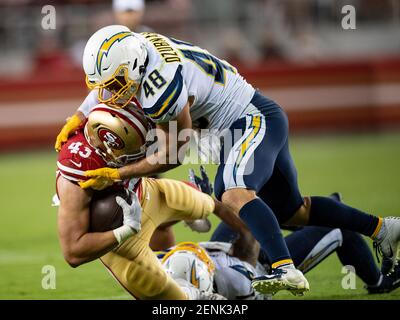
point(100, 178)
point(203, 183)
point(71, 124)
point(132, 218)
point(96, 184)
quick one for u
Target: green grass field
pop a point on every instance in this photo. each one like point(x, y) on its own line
point(365, 168)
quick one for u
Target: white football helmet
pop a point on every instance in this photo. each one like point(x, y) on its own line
point(117, 135)
point(114, 60)
point(190, 262)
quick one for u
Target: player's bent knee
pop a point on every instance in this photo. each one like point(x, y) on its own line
point(237, 198)
point(163, 237)
point(147, 279)
point(302, 215)
point(154, 283)
point(171, 291)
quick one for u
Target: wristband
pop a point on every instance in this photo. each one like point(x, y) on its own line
point(123, 233)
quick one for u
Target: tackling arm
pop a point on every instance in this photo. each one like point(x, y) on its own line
point(72, 124)
point(245, 247)
point(77, 244)
point(163, 160)
point(156, 163)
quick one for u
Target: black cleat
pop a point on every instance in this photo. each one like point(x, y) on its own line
point(336, 196)
point(389, 282)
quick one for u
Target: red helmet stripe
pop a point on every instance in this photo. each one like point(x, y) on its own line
point(136, 117)
point(121, 115)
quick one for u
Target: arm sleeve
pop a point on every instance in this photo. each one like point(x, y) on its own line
point(89, 103)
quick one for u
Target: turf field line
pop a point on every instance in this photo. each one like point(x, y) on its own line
point(7, 257)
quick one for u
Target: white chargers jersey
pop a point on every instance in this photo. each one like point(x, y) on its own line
point(233, 276)
point(177, 70)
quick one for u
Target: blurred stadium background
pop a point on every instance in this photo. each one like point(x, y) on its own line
point(341, 89)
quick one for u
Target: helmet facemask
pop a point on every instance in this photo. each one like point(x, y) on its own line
point(121, 88)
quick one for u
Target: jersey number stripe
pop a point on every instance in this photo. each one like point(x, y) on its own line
point(168, 98)
point(209, 64)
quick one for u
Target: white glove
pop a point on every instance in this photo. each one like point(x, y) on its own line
point(132, 218)
point(198, 225)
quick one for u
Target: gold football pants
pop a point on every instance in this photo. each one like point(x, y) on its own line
point(133, 264)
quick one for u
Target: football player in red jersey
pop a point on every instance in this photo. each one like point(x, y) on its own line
point(125, 251)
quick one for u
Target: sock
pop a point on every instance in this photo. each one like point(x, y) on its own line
point(264, 226)
point(326, 212)
point(356, 252)
point(286, 266)
point(381, 230)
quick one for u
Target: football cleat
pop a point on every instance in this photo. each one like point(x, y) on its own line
point(336, 196)
point(389, 282)
point(289, 279)
point(387, 244)
point(387, 265)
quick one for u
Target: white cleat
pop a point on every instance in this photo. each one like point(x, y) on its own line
point(388, 242)
point(289, 279)
point(199, 225)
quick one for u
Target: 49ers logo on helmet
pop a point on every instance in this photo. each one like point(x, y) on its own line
point(111, 138)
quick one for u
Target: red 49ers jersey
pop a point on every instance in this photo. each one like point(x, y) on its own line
point(77, 156)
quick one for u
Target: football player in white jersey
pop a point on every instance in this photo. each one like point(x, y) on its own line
point(208, 267)
point(172, 80)
point(189, 265)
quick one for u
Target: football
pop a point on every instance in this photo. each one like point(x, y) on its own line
point(105, 213)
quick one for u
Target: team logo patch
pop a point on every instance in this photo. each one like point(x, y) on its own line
point(111, 138)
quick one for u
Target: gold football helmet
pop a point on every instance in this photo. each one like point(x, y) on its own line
point(118, 135)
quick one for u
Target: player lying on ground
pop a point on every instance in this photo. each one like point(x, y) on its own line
point(172, 80)
point(209, 267)
point(308, 246)
point(125, 251)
